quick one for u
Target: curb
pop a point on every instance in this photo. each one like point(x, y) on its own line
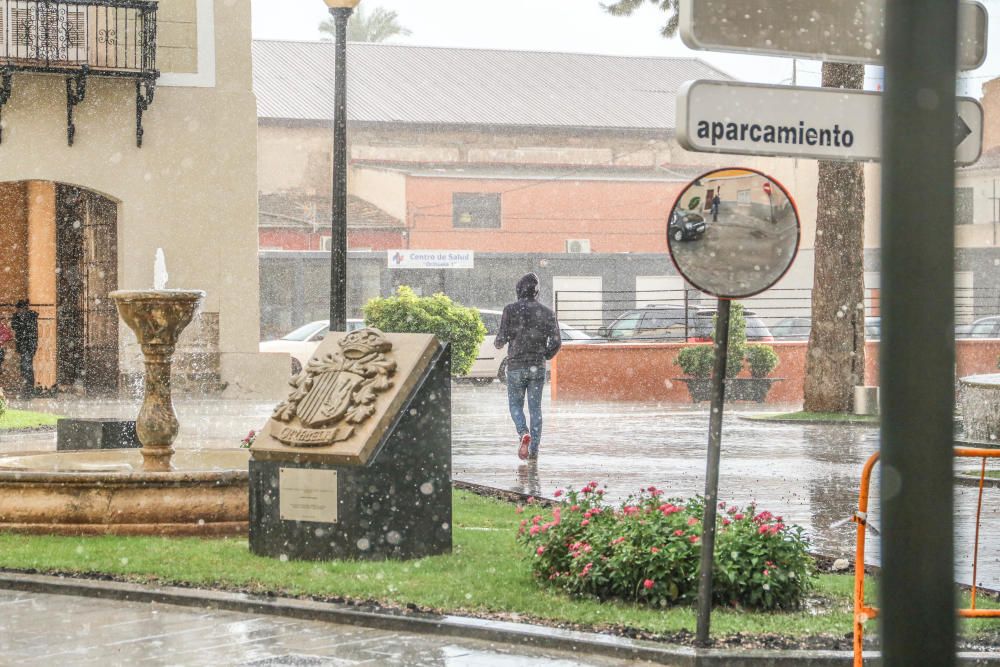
point(454, 626)
point(808, 422)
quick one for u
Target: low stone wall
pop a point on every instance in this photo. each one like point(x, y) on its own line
point(648, 372)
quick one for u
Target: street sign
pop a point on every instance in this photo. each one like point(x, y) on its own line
point(841, 30)
point(767, 188)
point(818, 123)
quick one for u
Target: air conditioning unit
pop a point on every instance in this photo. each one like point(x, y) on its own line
point(578, 245)
point(326, 243)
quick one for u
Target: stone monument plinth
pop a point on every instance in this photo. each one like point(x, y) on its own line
point(356, 462)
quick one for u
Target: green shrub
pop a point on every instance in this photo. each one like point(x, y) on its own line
point(762, 359)
point(405, 312)
point(700, 359)
point(760, 563)
point(696, 360)
point(648, 551)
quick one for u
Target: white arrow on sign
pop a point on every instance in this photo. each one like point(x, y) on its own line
point(818, 123)
point(837, 30)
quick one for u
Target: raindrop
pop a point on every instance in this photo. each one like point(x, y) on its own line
point(393, 537)
point(363, 544)
point(283, 558)
point(427, 488)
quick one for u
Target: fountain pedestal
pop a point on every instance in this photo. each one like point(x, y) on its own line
point(157, 317)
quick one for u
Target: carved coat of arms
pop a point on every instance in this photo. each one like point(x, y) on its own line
point(336, 391)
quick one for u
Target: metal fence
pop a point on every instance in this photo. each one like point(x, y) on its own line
point(781, 314)
point(106, 36)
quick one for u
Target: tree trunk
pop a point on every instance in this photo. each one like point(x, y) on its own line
point(835, 361)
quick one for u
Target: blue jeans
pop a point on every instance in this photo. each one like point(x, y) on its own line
point(532, 382)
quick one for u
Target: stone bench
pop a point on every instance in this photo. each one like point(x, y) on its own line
point(95, 433)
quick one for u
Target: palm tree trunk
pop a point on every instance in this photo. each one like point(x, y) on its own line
point(835, 359)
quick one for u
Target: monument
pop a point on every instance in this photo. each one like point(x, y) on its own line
point(356, 462)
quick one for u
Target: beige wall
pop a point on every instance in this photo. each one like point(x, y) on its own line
point(385, 189)
point(191, 189)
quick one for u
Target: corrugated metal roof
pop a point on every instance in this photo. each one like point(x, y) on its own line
point(389, 83)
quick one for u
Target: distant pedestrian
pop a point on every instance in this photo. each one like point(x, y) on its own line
point(25, 326)
point(716, 201)
point(531, 332)
point(6, 335)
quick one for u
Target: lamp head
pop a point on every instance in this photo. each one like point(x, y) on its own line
point(342, 4)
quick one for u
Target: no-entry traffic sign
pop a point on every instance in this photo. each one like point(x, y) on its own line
point(840, 30)
point(819, 123)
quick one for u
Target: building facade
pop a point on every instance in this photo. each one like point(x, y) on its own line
point(128, 127)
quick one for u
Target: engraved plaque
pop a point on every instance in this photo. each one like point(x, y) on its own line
point(307, 495)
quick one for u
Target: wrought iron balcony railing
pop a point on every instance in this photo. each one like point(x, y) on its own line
point(80, 38)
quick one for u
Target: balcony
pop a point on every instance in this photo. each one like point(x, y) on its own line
point(79, 39)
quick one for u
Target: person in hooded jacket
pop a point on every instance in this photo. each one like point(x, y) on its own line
point(531, 332)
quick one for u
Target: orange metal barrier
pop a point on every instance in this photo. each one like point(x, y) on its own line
point(863, 613)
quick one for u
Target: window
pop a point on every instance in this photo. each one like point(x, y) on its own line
point(963, 206)
point(626, 326)
point(742, 196)
point(476, 210)
point(491, 321)
point(41, 33)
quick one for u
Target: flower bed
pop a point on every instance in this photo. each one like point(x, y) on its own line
point(648, 551)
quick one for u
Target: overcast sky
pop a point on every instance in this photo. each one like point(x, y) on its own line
point(578, 26)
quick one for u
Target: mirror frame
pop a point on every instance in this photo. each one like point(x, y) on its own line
point(795, 250)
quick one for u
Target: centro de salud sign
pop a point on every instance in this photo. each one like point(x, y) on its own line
point(431, 259)
point(816, 123)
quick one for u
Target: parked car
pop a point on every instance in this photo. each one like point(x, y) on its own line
point(302, 342)
point(686, 225)
point(791, 328)
point(873, 328)
point(492, 363)
point(757, 331)
point(653, 323)
point(986, 327)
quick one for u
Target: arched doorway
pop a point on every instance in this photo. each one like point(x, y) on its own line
point(59, 247)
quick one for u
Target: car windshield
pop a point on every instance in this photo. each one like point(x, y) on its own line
point(569, 333)
point(305, 332)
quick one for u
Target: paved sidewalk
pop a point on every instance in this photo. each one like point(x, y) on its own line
point(47, 630)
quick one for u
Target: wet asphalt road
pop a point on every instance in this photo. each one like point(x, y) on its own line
point(808, 474)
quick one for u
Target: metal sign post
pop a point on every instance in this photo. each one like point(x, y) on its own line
point(745, 249)
point(917, 372)
point(818, 123)
point(712, 472)
point(842, 31)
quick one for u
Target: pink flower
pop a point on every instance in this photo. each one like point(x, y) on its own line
point(629, 510)
point(586, 569)
point(693, 538)
point(764, 529)
point(594, 484)
point(732, 510)
point(767, 573)
point(575, 508)
point(678, 532)
point(531, 499)
point(722, 505)
point(520, 509)
point(726, 522)
point(558, 493)
point(600, 492)
point(738, 517)
point(617, 540)
point(534, 530)
point(692, 521)
point(649, 583)
point(536, 519)
point(540, 550)
point(556, 516)
point(654, 550)
point(586, 522)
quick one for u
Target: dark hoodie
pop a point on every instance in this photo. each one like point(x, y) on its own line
point(529, 327)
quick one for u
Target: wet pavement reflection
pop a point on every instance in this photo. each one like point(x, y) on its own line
point(38, 629)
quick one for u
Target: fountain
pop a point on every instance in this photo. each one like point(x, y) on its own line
point(979, 397)
point(157, 317)
point(196, 492)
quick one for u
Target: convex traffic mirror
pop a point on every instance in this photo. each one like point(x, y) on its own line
point(733, 233)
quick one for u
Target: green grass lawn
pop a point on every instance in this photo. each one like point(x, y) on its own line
point(486, 574)
point(13, 420)
point(824, 417)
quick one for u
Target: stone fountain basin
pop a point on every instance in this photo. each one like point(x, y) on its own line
point(979, 396)
point(106, 492)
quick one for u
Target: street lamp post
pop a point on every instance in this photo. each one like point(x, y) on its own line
point(341, 11)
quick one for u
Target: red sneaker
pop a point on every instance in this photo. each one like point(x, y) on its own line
point(522, 451)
